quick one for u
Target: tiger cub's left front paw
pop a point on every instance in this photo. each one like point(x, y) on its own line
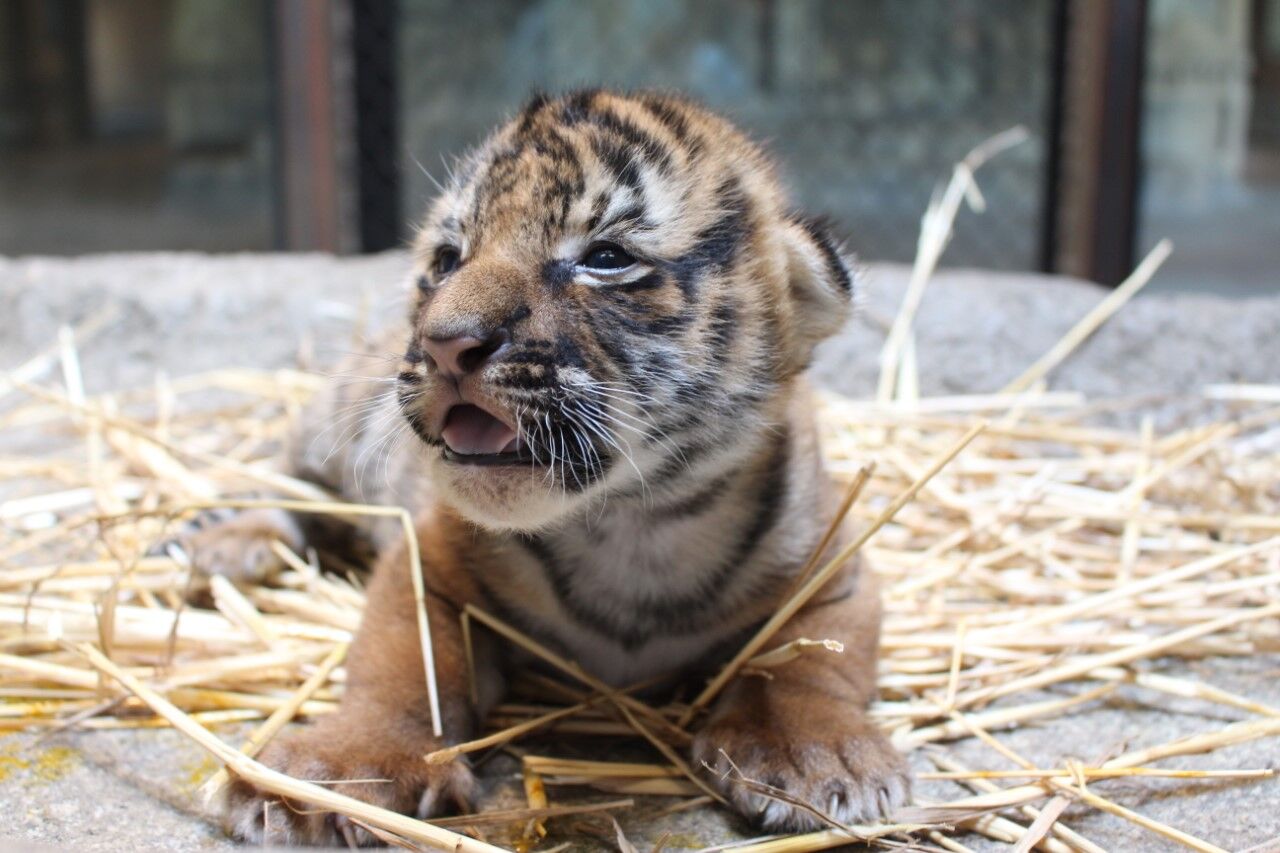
point(819, 753)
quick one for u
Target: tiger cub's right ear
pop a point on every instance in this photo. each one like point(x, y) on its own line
point(821, 282)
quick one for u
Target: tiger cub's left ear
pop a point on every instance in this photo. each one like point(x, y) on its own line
point(821, 284)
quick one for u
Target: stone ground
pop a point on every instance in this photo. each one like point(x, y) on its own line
point(977, 330)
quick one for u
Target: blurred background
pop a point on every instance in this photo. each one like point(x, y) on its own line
point(304, 125)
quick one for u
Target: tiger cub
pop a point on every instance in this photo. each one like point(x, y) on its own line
point(612, 447)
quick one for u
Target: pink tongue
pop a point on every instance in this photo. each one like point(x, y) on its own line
point(469, 429)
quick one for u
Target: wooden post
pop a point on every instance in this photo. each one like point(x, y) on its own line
point(1096, 225)
point(307, 154)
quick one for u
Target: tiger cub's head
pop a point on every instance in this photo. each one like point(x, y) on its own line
point(611, 290)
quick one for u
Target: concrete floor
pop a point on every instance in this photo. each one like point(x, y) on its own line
point(110, 791)
point(134, 790)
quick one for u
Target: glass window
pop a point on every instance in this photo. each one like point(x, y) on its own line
point(867, 105)
point(1211, 144)
point(134, 124)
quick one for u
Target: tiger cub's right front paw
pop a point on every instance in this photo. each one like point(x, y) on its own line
point(364, 762)
point(237, 544)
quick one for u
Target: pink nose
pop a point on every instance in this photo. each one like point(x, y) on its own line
point(466, 354)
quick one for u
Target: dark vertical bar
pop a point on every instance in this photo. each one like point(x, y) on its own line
point(275, 101)
point(1259, 38)
point(766, 43)
point(59, 89)
point(1118, 156)
point(308, 161)
point(16, 99)
point(377, 124)
point(79, 72)
point(1054, 135)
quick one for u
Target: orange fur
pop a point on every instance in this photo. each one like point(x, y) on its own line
point(663, 482)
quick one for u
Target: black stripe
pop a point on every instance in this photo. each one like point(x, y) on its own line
point(817, 229)
point(522, 312)
point(558, 571)
point(681, 613)
point(692, 505)
point(501, 176)
point(581, 108)
point(718, 244)
point(575, 107)
point(612, 343)
point(670, 117)
point(721, 331)
point(567, 353)
point(649, 145)
point(532, 108)
point(516, 617)
point(557, 275)
point(772, 496)
point(634, 213)
point(618, 159)
point(649, 281)
point(616, 313)
point(565, 181)
point(524, 380)
point(598, 208)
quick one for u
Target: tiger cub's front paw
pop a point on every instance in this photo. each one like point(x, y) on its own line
point(360, 762)
point(236, 544)
point(830, 758)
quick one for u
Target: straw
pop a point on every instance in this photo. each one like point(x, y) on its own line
point(815, 583)
point(279, 718)
point(1092, 321)
point(1053, 567)
point(278, 783)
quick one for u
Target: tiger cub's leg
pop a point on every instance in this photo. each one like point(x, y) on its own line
point(374, 746)
point(237, 544)
point(335, 445)
point(806, 730)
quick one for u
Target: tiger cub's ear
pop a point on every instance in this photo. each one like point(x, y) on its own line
point(820, 280)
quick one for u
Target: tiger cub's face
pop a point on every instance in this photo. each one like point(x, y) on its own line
point(611, 287)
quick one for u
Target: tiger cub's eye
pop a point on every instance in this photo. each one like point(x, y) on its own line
point(606, 256)
point(447, 260)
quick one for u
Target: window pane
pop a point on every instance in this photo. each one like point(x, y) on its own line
point(866, 104)
point(1211, 144)
point(134, 124)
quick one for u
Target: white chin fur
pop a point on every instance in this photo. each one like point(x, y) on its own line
point(518, 500)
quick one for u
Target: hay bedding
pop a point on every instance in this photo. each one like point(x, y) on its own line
point(1033, 564)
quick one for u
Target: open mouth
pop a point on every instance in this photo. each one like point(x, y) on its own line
point(472, 436)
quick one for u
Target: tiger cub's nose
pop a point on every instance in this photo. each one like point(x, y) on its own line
point(465, 354)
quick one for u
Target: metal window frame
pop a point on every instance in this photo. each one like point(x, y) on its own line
point(1093, 163)
point(377, 127)
point(1092, 231)
point(307, 208)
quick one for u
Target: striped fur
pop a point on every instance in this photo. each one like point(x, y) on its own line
point(674, 483)
point(667, 405)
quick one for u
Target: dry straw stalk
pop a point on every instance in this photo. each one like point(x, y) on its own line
point(1035, 565)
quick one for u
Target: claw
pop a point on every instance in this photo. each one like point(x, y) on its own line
point(883, 801)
